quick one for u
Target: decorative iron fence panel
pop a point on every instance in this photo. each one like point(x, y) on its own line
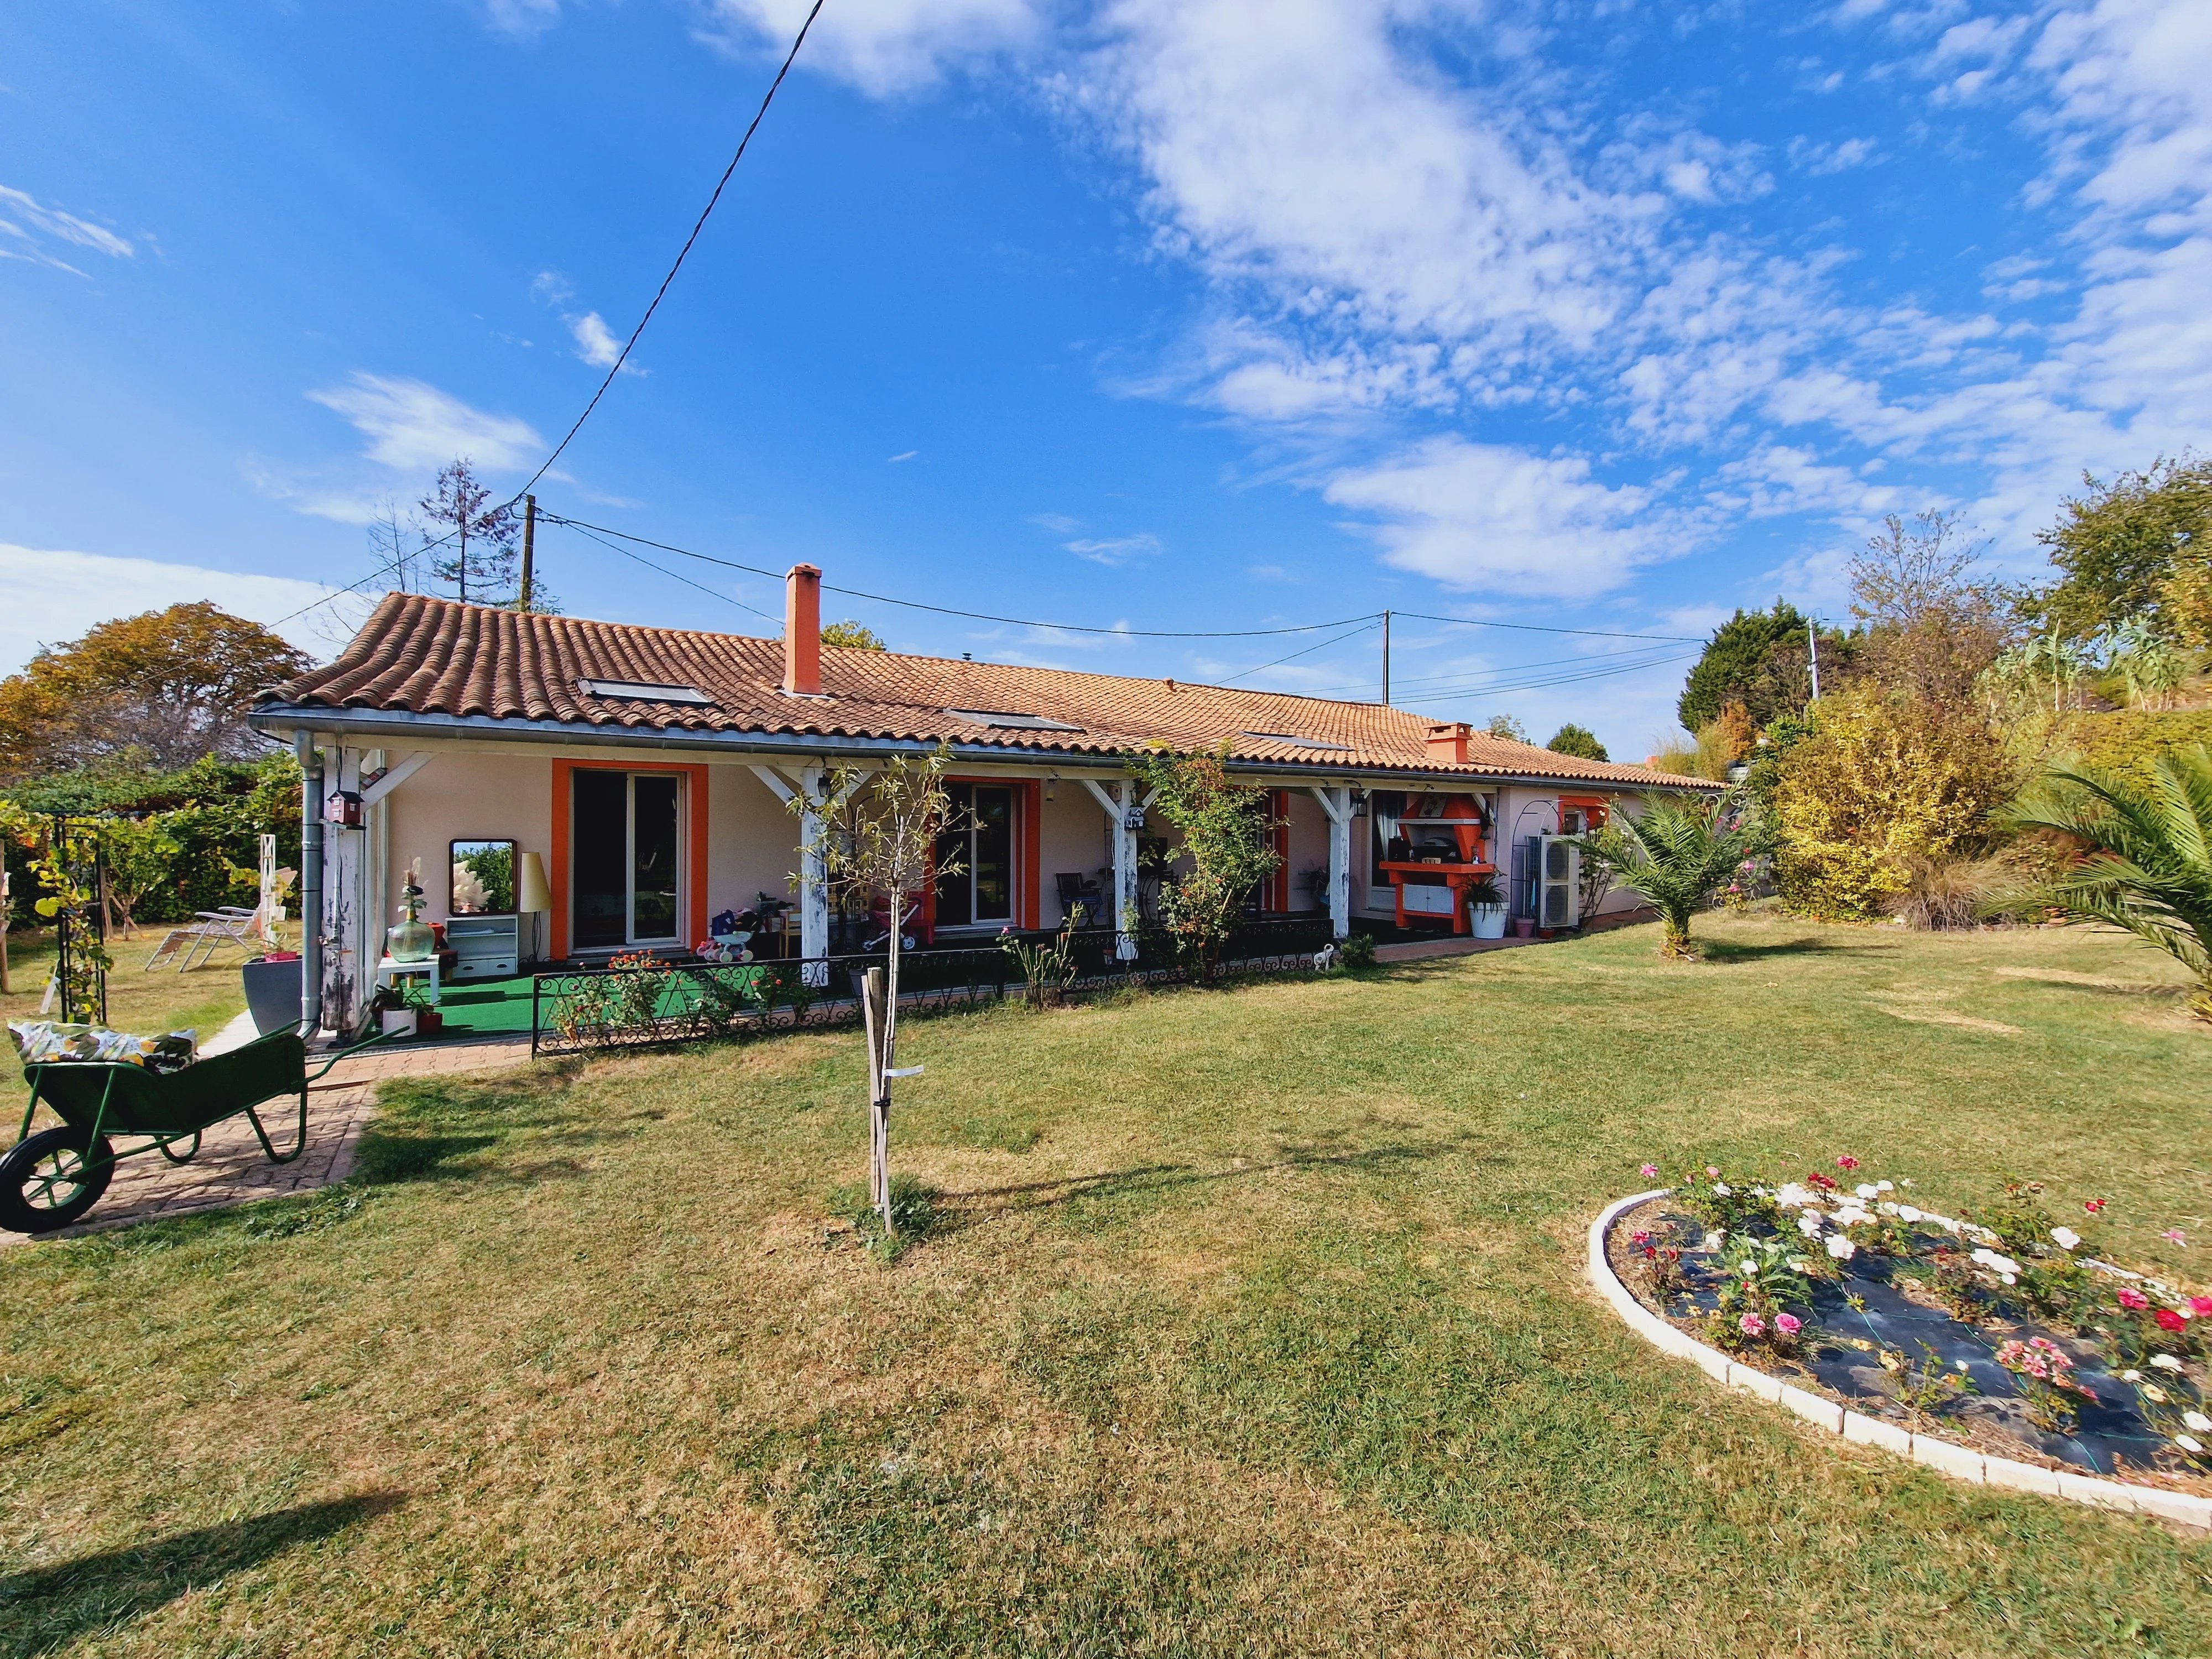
point(597, 1009)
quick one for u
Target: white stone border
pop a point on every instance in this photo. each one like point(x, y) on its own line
point(1945, 1456)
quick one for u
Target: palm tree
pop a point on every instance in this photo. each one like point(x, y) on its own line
point(2148, 868)
point(1678, 854)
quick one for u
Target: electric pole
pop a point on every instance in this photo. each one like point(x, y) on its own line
point(1386, 659)
point(1812, 639)
point(529, 544)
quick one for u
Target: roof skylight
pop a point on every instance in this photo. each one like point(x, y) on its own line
point(644, 691)
point(1297, 742)
point(1000, 718)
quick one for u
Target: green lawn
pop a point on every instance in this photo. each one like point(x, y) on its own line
point(1257, 1327)
point(204, 1000)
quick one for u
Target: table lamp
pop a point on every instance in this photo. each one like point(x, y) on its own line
point(532, 894)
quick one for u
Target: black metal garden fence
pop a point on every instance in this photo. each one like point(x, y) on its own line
point(595, 1009)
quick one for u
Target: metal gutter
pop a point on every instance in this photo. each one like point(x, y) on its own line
point(284, 719)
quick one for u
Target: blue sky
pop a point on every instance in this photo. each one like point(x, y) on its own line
point(1210, 314)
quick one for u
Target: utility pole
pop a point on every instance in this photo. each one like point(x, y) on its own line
point(1386, 659)
point(529, 544)
point(1812, 639)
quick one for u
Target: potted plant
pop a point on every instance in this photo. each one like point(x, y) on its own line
point(273, 991)
point(1485, 906)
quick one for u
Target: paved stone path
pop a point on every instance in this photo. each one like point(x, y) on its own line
point(230, 1169)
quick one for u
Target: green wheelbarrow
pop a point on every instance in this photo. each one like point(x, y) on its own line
point(50, 1179)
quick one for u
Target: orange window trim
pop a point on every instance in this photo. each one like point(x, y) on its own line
point(558, 877)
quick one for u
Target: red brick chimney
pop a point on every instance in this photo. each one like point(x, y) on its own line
point(802, 631)
point(1447, 742)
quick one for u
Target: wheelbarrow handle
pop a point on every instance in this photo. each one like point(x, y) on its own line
point(347, 1054)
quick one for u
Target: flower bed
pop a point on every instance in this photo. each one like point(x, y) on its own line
point(2004, 1331)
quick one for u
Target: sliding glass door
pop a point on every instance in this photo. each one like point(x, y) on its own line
point(975, 852)
point(626, 855)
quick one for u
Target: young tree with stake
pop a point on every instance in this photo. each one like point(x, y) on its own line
point(875, 831)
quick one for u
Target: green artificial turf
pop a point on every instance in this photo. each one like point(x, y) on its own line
point(1253, 1322)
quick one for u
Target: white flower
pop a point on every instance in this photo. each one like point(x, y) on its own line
point(1850, 1215)
point(1798, 1264)
point(2131, 1375)
point(1792, 1196)
point(1841, 1248)
point(2195, 1447)
point(1884, 1186)
point(2152, 1393)
point(1866, 1190)
point(1721, 1189)
point(1748, 1268)
point(2197, 1421)
point(1959, 1364)
point(1809, 1223)
point(2166, 1361)
point(1906, 1212)
point(2064, 1238)
point(1712, 1243)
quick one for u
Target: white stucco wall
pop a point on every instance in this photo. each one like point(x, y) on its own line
point(464, 795)
point(752, 841)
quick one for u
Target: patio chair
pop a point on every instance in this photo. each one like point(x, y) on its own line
point(1074, 890)
point(199, 941)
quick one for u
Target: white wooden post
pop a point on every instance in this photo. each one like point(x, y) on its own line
point(1337, 803)
point(1126, 818)
point(349, 972)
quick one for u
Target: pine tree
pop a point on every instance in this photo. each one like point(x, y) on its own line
point(475, 540)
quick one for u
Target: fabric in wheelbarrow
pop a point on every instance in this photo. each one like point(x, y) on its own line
point(140, 1101)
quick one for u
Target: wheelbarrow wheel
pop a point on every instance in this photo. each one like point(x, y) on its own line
point(52, 1178)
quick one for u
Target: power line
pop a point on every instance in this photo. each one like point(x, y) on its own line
point(673, 576)
point(1555, 679)
point(1366, 627)
point(973, 616)
point(1533, 628)
point(1646, 652)
point(384, 569)
point(759, 115)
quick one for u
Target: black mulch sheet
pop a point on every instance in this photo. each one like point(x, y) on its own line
point(2110, 1428)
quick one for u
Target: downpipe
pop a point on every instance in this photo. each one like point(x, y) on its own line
point(311, 882)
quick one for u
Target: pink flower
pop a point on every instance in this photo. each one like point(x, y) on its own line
point(2133, 1299)
point(2094, 1204)
point(2170, 1321)
point(2200, 1307)
point(1639, 1239)
point(2174, 1236)
point(1788, 1324)
point(1649, 1170)
point(1752, 1325)
point(1847, 1162)
point(1712, 1171)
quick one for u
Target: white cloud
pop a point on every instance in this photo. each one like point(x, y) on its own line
point(56, 595)
point(412, 426)
point(1485, 516)
point(595, 344)
point(1117, 549)
point(885, 46)
point(30, 223)
point(1821, 159)
point(524, 18)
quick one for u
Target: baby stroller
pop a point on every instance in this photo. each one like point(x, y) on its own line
point(912, 929)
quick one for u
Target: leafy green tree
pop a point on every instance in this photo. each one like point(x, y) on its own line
point(2149, 865)
point(480, 554)
point(1505, 726)
point(1226, 829)
point(2120, 544)
point(1572, 739)
point(1678, 854)
point(852, 636)
point(168, 685)
point(1739, 665)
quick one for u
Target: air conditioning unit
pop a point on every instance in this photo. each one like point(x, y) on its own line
point(1558, 882)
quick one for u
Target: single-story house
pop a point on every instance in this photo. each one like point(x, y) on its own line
point(649, 771)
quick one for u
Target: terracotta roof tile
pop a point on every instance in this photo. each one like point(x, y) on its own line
point(429, 656)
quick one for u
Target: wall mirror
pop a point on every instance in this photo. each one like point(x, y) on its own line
point(484, 879)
